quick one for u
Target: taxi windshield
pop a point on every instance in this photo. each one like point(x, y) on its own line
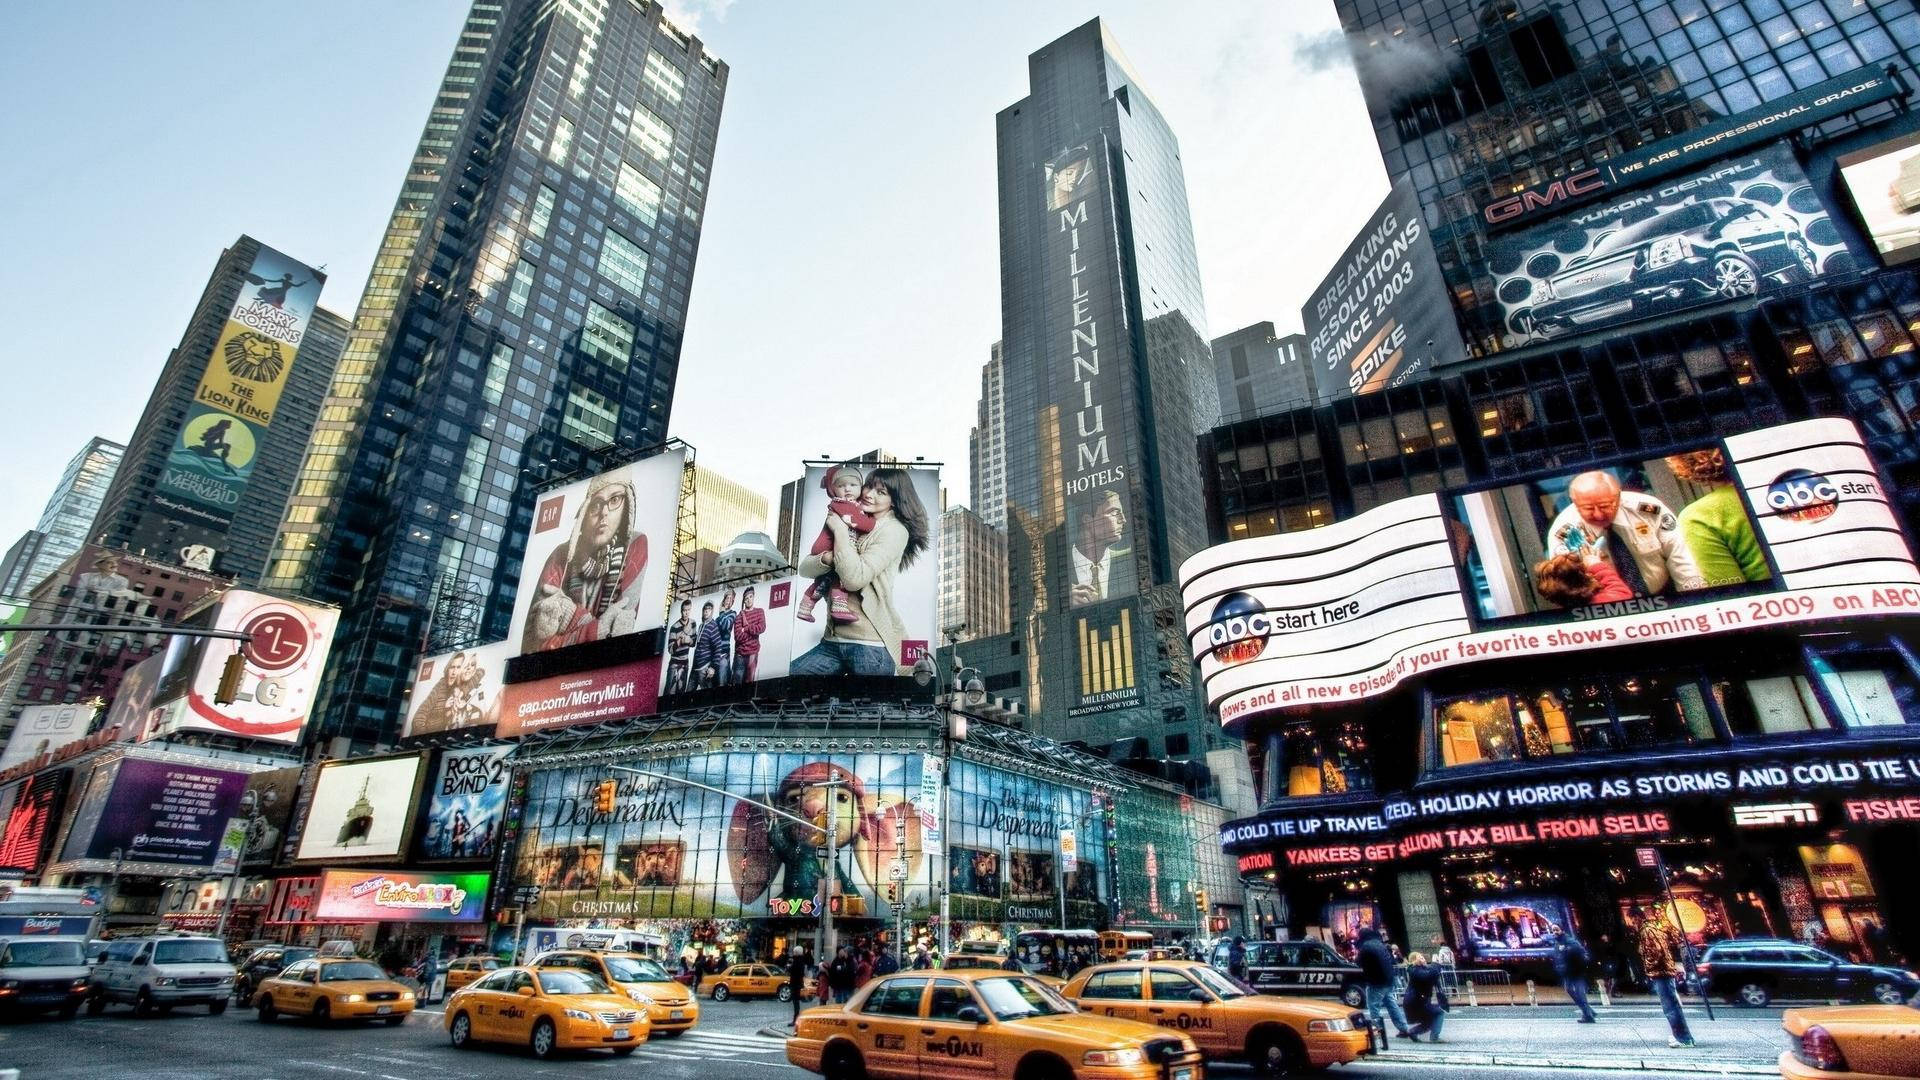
point(1016, 998)
point(632, 969)
point(572, 982)
point(349, 972)
point(1223, 985)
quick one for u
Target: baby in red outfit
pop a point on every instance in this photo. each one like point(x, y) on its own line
point(843, 484)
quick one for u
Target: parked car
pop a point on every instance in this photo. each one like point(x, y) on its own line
point(325, 990)
point(989, 1025)
point(264, 963)
point(1706, 250)
point(155, 974)
point(1862, 1041)
point(1229, 1022)
point(1755, 971)
point(1297, 967)
point(43, 974)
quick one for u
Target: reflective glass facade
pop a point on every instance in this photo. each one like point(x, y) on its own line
point(524, 312)
point(1107, 380)
point(1475, 99)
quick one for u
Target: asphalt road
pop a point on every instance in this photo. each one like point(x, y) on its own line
point(191, 1045)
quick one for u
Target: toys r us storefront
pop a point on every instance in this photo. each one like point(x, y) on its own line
point(1443, 751)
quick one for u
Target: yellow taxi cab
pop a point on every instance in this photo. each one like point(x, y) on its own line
point(752, 980)
point(1229, 1020)
point(986, 962)
point(1852, 1042)
point(671, 1008)
point(980, 1025)
point(468, 968)
point(333, 989)
point(547, 1010)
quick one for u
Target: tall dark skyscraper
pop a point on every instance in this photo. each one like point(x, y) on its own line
point(199, 474)
point(1107, 382)
point(524, 314)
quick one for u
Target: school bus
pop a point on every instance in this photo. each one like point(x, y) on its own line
point(1116, 944)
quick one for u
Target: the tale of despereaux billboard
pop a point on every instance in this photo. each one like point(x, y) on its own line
point(1784, 525)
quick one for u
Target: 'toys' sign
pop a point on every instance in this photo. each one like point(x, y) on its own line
point(1803, 495)
point(1239, 629)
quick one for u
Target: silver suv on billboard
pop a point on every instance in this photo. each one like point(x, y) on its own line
point(1712, 249)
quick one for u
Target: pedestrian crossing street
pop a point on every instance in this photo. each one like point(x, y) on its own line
point(714, 1046)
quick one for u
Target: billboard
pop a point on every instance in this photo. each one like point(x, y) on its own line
point(1692, 148)
point(401, 896)
point(1005, 831)
point(1088, 416)
point(133, 698)
point(587, 697)
point(266, 809)
point(1104, 649)
point(42, 729)
point(1737, 228)
point(285, 655)
point(599, 556)
point(459, 689)
point(1384, 315)
point(155, 811)
point(34, 804)
point(669, 850)
point(735, 635)
point(1884, 182)
point(211, 462)
point(360, 809)
point(1782, 525)
point(466, 802)
point(870, 600)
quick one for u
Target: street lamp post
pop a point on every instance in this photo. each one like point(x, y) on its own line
point(953, 728)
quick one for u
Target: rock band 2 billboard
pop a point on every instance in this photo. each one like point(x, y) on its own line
point(1781, 525)
point(1732, 229)
point(1383, 315)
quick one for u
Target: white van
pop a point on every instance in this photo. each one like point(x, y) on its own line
point(155, 974)
point(44, 974)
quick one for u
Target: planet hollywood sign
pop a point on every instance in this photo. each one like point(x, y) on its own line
point(1526, 812)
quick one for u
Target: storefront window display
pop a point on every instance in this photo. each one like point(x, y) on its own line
point(1003, 837)
point(1155, 856)
point(673, 851)
point(1327, 757)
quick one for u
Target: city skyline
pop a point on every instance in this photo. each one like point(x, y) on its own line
point(366, 97)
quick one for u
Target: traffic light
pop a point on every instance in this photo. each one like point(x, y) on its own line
point(1200, 901)
point(604, 795)
point(229, 689)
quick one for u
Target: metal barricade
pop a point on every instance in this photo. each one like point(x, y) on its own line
point(1478, 986)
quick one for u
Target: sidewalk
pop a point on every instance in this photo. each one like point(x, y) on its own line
point(1739, 1043)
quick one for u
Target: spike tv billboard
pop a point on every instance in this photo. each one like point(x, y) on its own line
point(599, 556)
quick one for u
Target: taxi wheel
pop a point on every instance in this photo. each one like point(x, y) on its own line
point(1277, 1053)
point(461, 1033)
point(322, 1012)
point(842, 1062)
point(267, 1011)
point(785, 994)
point(544, 1039)
point(720, 992)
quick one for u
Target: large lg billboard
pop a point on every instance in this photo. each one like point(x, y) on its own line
point(1733, 229)
point(1782, 525)
point(599, 556)
point(1383, 315)
point(284, 655)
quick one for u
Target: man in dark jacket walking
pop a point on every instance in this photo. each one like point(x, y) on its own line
point(1570, 963)
point(1376, 976)
point(840, 976)
point(797, 976)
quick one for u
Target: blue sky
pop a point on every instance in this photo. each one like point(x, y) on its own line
point(848, 281)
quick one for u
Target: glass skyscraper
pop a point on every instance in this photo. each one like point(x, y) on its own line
point(1107, 382)
point(523, 318)
point(67, 521)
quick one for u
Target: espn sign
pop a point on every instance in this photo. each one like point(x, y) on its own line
point(1762, 815)
point(1565, 189)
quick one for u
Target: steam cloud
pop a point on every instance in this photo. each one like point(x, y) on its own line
point(1390, 71)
